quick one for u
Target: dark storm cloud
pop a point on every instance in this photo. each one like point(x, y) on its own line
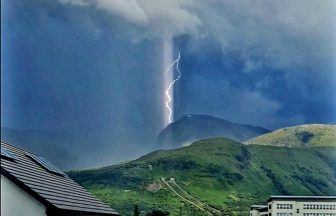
point(91, 67)
point(282, 33)
point(280, 44)
point(61, 72)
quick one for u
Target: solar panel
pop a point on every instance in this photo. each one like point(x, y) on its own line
point(7, 154)
point(45, 164)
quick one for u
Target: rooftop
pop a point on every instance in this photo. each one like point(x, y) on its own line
point(49, 185)
point(301, 198)
point(258, 207)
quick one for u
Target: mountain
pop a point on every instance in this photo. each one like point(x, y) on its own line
point(191, 128)
point(299, 136)
point(45, 143)
point(217, 174)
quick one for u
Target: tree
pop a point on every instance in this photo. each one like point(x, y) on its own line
point(157, 213)
point(136, 211)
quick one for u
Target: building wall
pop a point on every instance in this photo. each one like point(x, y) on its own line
point(258, 213)
point(16, 202)
point(302, 208)
point(254, 213)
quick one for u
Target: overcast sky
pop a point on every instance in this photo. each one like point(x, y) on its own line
point(92, 65)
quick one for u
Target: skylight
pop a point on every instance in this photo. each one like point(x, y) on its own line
point(7, 154)
point(45, 164)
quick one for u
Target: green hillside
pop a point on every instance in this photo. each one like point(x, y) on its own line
point(299, 136)
point(221, 173)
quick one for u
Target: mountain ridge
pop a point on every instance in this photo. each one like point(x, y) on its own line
point(191, 127)
point(299, 136)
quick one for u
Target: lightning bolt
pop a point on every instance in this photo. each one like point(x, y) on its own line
point(167, 93)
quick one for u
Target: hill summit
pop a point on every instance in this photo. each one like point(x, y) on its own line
point(191, 128)
point(299, 136)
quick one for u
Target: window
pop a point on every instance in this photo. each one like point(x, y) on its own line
point(284, 206)
point(7, 154)
point(284, 214)
point(319, 214)
point(321, 206)
point(45, 164)
point(297, 210)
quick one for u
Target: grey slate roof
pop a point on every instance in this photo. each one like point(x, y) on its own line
point(60, 194)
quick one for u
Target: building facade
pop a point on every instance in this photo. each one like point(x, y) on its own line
point(12, 196)
point(297, 206)
point(259, 210)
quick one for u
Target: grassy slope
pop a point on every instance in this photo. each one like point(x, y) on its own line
point(303, 135)
point(221, 172)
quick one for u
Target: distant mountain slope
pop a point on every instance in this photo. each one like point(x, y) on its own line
point(225, 174)
point(299, 136)
point(191, 128)
point(44, 143)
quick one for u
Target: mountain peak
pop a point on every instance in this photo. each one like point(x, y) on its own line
point(193, 127)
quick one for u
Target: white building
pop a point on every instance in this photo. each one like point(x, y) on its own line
point(32, 186)
point(259, 210)
point(297, 206)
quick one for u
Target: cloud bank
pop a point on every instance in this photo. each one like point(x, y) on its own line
point(93, 67)
point(283, 33)
point(294, 38)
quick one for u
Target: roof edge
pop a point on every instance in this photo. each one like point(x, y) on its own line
point(66, 212)
point(301, 197)
point(15, 146)
point(25, 188)
point(50, 208)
